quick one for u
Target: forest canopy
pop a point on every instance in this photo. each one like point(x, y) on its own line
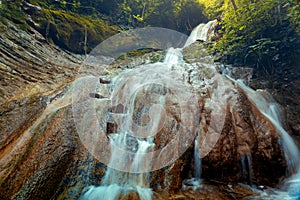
point(181, 15)
point(260, 33)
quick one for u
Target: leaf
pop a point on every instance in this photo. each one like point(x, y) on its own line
point(242, 27)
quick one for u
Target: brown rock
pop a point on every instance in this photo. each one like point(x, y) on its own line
point(41, 155)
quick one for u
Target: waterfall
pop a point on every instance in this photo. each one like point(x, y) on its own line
point(292, 185)
point(271, 111)
point(201, 32)
point(128, 153)
point(197, 161)
point(246, 168)
point(116, 183)
point(173, 56)
point(290, 149)
point(195, 182)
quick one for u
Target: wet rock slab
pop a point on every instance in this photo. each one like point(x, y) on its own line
point(41, 155)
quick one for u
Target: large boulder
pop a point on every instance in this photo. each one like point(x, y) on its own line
point(42, 155)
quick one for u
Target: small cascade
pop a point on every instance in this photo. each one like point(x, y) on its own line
point(292, 185)
point(129, 153)
point(290, 149)
point(194, 35)
point(195, 182)
point(197, 161)
point(246, 169)
point(116, 183)
point(149, 115)
point(271, 111)
point(201, 32)
point(173, 56)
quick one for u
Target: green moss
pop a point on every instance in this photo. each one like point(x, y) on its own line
point(2, 28)
point(196, 52)
point(67, 29)
point(38, 3)
point(158, 57)
point(13, 12)
point(134, 53)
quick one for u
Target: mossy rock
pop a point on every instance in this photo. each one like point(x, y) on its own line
point(67, 30)
point(13, 12)
point(197, 52)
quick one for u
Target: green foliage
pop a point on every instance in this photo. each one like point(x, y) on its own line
point(261, 33)
point(13, 12)
point(65, 28)
point(68, 30)
point(213, 8)
point(63, 21)
point(294, 13)
point(188, 14)
point(180, 15)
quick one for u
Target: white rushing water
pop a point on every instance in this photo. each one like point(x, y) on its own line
point(271, 110)
point(195, 182)
point(200, 33)
point(118, 183)
point(197, 161)
point(173, 56)
point(246, 168)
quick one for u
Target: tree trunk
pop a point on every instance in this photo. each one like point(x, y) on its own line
point(144, 8)
point(234, 4)
point(279, 14)
point(85, 40)
point(47, 30)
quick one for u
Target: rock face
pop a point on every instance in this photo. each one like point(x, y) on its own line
point(284, 88)
point(29, 65)
point(31, 72)
point(42, 156)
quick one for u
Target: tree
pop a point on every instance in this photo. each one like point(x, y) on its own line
point(233, 4)
point(180, 15)
point(261, 33)
point(212, 8)
point(188, 14)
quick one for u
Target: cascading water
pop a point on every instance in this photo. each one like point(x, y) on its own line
point(271, 111)
point(32, 144)
point(246, 168)
point(197, 161)
point(116, 183)
point(290, 149)
point(173, 56)
point(195, 182)
point(200, 33)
